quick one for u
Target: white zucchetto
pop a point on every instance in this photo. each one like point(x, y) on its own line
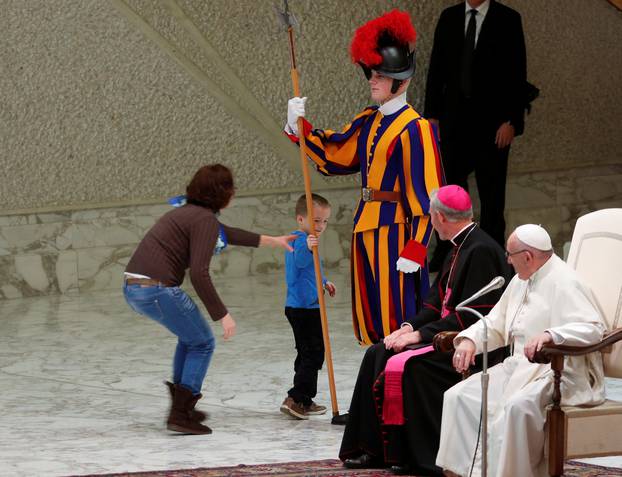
point(534, 236)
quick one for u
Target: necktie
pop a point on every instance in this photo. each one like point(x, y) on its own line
point(466, 76)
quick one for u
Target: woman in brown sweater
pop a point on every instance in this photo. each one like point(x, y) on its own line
point(187, 237)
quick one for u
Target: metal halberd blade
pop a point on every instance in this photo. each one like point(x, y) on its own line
point(286, 18)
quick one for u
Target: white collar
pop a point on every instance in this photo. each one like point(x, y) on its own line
point(461, 230)
point(394, 105)
point(545, 268)
point(481, 10)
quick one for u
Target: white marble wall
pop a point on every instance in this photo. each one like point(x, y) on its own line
point(556, 199)
point(78, 251)
point(67, 252)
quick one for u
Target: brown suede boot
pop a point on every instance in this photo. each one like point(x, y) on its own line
point(195, 414)
point(179, 419)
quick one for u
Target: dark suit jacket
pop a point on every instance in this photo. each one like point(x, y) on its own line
point(499, 70)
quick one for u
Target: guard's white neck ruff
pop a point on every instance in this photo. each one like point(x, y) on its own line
point(393, 105)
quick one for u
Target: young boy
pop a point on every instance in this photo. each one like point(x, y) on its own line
point(303, 310)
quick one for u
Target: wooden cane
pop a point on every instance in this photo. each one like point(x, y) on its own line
point(316, 254)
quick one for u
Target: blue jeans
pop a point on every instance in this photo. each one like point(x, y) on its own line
point(175, 310)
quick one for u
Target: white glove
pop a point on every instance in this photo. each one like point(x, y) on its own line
point(407, 266)
point(295, 109)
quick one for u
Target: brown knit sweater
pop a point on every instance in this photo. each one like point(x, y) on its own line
point(185, 238)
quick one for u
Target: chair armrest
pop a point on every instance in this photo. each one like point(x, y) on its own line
point(547, 352)
point(443, 342)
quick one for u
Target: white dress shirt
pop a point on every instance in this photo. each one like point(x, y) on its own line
point(482, 10)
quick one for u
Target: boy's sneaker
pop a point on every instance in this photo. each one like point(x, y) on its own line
point(315, 409)
point(294, 409)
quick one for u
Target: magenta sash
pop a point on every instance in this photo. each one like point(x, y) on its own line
point(393, 405)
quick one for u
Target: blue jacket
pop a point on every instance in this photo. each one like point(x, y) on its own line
point(300, 275)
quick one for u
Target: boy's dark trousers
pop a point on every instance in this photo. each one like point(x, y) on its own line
point(307, 327)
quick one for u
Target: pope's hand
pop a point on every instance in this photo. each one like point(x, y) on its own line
point(464, 356)
point(535, 344)
point(295, 110)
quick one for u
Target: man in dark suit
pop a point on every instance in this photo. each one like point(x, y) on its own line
point(475, 94)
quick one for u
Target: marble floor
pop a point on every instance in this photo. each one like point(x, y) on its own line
point(81, 386)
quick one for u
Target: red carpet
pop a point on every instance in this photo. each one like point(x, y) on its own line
point(329, 468)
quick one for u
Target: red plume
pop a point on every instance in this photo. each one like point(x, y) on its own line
point(365, 42)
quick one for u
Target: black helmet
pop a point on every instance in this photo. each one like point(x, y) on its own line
point(397, 63)
point(384, 45)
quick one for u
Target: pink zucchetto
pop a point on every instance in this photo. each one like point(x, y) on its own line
point(454, 197)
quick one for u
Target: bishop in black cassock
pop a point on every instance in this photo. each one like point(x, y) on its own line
point(475, 260)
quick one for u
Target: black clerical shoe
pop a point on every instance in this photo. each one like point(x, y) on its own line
point(403, 469)
point(340, 419)
point(407, 469)
point(364, 461)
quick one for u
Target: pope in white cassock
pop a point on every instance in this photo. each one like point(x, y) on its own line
point(545, 302)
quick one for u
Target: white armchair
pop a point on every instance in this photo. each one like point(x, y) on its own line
point(573, 432)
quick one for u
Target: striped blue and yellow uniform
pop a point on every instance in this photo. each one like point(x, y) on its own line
point(396, 153)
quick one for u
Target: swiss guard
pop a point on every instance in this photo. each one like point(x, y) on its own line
point(396, 152)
